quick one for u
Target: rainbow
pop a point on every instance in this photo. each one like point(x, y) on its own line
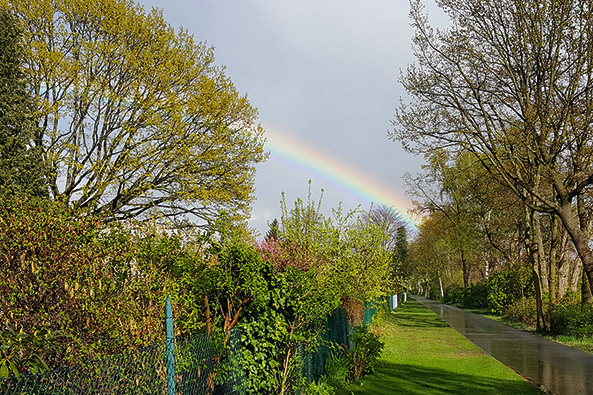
point(338, 172)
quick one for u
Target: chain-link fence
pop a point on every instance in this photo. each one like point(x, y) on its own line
point(198, 360)
point(201, 366)
point(337, 329)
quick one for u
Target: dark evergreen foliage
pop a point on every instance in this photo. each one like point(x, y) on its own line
point(21, 165)
point(401, 245)
point(272, 233)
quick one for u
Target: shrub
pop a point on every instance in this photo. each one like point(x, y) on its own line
point(23, 352)
point(454, 295)
point(522, 310)
point(320, 388)
point(337, 368)
point(474, 297)
point(572, 320)
point(507, 285)
point(100, 287)
point(367, 349)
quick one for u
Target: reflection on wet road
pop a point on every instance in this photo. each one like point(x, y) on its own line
point(552, 366)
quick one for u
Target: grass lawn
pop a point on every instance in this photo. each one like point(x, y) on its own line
point(423, 355)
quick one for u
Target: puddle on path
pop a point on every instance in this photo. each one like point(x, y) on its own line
point(556, 367)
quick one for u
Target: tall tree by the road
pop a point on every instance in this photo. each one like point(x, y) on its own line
point(510, 81)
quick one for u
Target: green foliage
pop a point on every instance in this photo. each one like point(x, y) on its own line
point(572, 320)
point(135, 117)
point(100, 287)
point(103, 287)
point(21, 167)
point(23, 352)
point(262, 337)
point(318, 388)
point(337, 368)
point(475, 296)
point(401, 245)
point(522, 310)
point(348, 249)
point(290, 319)
point(507, 285)
point(273, 232)
point(367, 349)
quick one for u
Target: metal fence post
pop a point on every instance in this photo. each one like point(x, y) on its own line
point(170, 347)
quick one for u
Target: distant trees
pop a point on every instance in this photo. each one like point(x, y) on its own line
point(509, 82)
point(395, 232)
point(272, 233)
point(134, 118)
point(22, 172)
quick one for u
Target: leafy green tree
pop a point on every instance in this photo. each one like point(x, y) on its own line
point(433, 260)
point(273, 233)
point(349, 247)
point(133, 117)
point(509, 82)
point(401, 245)
point(21, 165)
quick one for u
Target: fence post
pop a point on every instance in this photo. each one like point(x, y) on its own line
point(170, 347)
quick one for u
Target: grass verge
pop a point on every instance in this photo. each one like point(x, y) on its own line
point(423, 355)
point(580, 343)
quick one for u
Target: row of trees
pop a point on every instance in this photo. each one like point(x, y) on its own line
point(501, 108)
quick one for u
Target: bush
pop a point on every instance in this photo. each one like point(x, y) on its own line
point(476, 296)
point(508, 285)
point(454, 295)
point(320, 388)
point(337, 368)
point(523, 310)
point(367, 349)
point(572, 320)
point(99, 286)
point(473, 297)
point(23, 352)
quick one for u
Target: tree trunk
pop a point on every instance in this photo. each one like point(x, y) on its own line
point(586, 296)
point(533, 253)
point(542, 261)
point(580, 240)
point(576, 276)
point(554, 247)
point(563, 278)
point(207, 316)
point(465, 268)
point(286, 365)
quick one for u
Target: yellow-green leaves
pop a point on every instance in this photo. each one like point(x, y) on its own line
point(135, 117)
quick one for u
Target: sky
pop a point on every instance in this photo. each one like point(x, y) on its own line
point(324, 77)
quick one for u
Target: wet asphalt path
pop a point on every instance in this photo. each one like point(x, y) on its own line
point(553, 367)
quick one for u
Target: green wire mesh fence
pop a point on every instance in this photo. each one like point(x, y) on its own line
point(337, 329)
point(143, 372)
point(198, 362)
